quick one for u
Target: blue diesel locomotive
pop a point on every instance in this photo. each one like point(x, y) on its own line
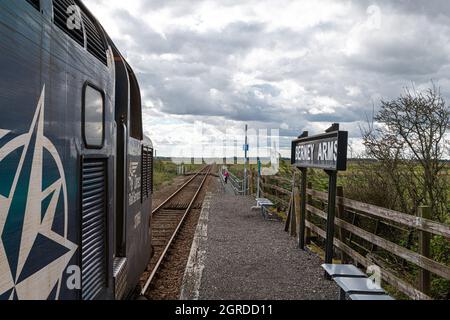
point(75, 167)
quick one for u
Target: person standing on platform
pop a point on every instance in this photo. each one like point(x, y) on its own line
point(226, 175)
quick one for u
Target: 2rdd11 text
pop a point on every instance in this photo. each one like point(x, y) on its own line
point(245, 310)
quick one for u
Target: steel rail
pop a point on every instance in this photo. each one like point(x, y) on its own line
point(169, 244)
point(178, 191)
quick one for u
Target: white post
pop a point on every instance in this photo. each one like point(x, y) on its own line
point(258, 192)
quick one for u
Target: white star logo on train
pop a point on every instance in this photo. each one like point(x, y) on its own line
point(33, 256)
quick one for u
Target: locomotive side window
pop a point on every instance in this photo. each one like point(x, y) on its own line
point(93, 117)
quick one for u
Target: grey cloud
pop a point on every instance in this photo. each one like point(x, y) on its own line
point(430, 8)
point(209, 60)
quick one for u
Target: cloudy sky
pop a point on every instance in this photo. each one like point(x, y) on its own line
point(276, 64)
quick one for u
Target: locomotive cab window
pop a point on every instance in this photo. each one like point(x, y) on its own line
point(93, 117)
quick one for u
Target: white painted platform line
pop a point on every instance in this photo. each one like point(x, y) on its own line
point(192, 279)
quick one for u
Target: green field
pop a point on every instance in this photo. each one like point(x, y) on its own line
point(165, 171)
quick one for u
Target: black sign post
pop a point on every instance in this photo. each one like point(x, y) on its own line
point(328, 152)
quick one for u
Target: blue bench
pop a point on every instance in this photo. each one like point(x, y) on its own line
point(354, 284)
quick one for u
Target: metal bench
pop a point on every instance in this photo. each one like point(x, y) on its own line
point(371, 297)
point(354, 284)
point(263, 204)
point(343, 270)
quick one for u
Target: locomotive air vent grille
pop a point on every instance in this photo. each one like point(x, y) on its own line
point(35, 3)
point(150, 168)
point(147, 172)
point(95, 40)
point(63, 11)
point(120, 271)
point(93, 228)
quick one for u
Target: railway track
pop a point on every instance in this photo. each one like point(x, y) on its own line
point(168, 219)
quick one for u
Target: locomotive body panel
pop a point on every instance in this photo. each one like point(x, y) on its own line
point(58, 194)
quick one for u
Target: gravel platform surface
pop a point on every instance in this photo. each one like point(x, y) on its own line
point(248, 258)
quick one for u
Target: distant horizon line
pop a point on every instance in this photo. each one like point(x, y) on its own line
point(260, 158)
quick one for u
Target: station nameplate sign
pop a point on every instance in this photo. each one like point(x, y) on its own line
point(326, 151)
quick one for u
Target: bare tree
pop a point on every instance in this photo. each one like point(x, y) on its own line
point(408, 140)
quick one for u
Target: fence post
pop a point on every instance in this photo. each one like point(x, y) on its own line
point(297, 211)
point(289, 213)
point(294, 214)
point(291, 203)
point(340, 215)
point(424, 250)
point(308, 230)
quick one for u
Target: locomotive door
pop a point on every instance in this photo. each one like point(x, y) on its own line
point(96, 174)
point(131, 220)
point(128, 217)
point(121, 108)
